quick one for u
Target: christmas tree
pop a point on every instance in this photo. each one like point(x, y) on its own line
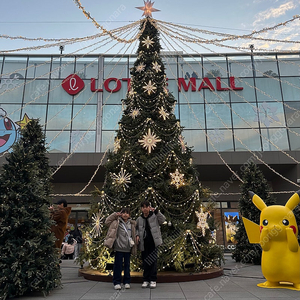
point(150, 161)
point(253, 180)
point(28, 259)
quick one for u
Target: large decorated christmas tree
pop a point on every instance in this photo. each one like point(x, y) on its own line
point(150, 161)
point(28, 260)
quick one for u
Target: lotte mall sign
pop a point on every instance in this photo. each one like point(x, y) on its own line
point(73, 84)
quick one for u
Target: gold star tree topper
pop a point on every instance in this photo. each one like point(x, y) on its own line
point(147, 8)
point(24, 121)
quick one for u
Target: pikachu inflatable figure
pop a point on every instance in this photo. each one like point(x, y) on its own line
point(277, 235)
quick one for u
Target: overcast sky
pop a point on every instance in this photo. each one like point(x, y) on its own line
point(63, 19)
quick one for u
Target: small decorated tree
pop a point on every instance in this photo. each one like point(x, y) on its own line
point(28, 259)
point(253, 180)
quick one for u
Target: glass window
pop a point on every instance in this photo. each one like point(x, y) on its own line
point(36, 91)
point(39, 67)
point(62, 67)
point(289, 65)
point(240, 66)
point(192, 116)
point(214, 67)
point(111, 115)
point(35, 111)
point(107, 140)
point(247, 93)
point(13, 112)
point(291, 88)
point(217, 96)
point(195, 139)
point(186, 94)
point(11, 90)
point(59, 117)
point(173, 89)
point(244, 115)
point(271, 114)
point(265, 66)
point(14, 67)
point(170, 63)
point(84, 117)
point(115, 67)
point(292, 114)
point(1, 63)
point(114, 97)
point(86, 95)
point(57, 94)
point(58, 141)
point(190, 67)
point(247, 139)
point(268, 89)
point(277, 136)
point(216, 115)
point(220, 140)
point(83, 141)
point(295, 139)
point(87, 67)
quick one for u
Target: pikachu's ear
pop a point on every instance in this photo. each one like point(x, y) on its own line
point(258, 202)
point(293, 201)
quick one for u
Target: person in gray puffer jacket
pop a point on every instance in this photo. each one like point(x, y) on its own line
point(148, 236)
point(120, 237)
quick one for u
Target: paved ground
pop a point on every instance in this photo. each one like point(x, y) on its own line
point(239, 282)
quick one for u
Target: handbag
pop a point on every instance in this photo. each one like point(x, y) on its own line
point(131, 241)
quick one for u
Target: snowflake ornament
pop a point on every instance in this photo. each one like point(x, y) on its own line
point(156, 67)
point(202, 223)
point(182, 144)
point(147, 42)
point(164, 114)
point(149, 87)
point(177, 179)
point(121, 179)
point(117, 145)
point(97, 224)
point(134, 113)
point(149, 140)
point(140, 68)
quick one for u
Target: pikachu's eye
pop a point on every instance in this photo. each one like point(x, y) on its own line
point(285, 222)
point(265, 222)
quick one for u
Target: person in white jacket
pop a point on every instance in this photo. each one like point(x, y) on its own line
point(120, 237)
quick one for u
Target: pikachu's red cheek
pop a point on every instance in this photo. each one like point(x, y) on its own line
point(294, 228)
point(261, 228)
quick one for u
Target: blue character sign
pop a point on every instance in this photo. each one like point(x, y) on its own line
point(9, 132)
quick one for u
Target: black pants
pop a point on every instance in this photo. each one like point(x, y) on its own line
point(149, 257)
point(68, 256)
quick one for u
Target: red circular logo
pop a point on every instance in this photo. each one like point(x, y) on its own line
point(73, 84)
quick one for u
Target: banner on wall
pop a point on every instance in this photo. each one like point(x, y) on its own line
point(231, 220)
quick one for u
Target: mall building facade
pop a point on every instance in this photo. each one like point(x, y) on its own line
point(235, 109)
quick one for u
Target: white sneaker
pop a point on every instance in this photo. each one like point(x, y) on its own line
point(152, 285)
point(145, 284)
point(127, 286)
point(117, 287)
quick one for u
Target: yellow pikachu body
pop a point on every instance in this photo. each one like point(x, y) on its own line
point(277, 235)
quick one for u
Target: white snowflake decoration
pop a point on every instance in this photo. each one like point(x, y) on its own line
point(149, 87)
point(182, 143)
point(117, 145)
point(202, 223)
point(156, 66)
point(97, 224)
point(134, 113)
point(149, 140)
point(140, 68)
point(147, 42)
point(164, 114)
point(121, 179)
point(177, 179)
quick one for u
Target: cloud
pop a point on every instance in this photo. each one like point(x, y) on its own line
point(274, 12)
